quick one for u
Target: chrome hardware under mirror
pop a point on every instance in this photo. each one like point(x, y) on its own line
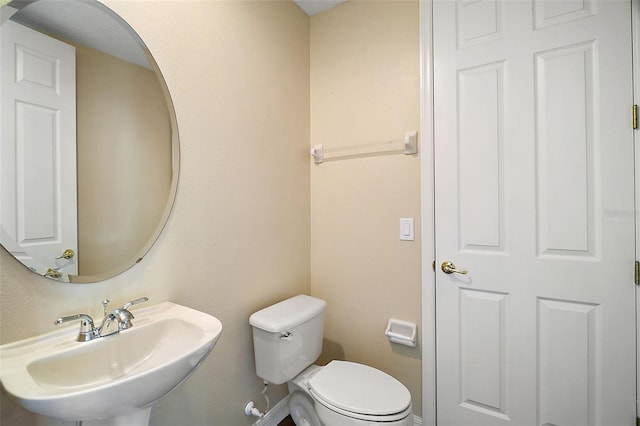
point(138, 131)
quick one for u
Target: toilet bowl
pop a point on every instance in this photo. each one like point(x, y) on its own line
point(287, 340)
point(348, 394)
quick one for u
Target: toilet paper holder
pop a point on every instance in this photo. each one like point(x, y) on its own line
point(401, 332)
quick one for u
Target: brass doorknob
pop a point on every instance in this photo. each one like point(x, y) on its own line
point(67, 254)
point(449, 268)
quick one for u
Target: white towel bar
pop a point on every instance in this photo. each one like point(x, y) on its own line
point(408, 146)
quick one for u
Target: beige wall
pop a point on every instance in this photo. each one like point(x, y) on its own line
point(124, 159)
point(365, 89)
point(242, 233)
point(238, 238)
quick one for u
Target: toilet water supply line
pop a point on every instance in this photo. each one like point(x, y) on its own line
point(251, 410)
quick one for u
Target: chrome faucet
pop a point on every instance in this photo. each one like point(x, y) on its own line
point(109, 326)
point(113, 322)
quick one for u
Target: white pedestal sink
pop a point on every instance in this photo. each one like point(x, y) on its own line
point(115, 378)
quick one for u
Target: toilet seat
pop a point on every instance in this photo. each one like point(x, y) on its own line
point(361, 392)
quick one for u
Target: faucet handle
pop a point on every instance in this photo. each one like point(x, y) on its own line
point(87, 328)
point(134, 302)
point(123, 317)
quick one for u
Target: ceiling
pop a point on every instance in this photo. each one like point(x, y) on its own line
point(84, 23)
point(311, 7)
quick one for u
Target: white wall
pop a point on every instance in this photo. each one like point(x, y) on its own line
point(124, 159)
point(365, 89)
point(238, 238)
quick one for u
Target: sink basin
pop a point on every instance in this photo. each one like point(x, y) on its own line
point(111, 377)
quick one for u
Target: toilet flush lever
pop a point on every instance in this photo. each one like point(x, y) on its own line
point(287, 335)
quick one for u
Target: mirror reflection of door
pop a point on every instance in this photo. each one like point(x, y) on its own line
point(126, 145)
point(38, 215)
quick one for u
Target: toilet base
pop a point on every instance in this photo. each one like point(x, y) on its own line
point(302, 410)
point(331, 418)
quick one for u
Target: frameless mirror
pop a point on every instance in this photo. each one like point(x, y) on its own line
point(88, 142)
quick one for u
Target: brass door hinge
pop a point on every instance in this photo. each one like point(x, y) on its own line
point(634, 116)
point(636, 275)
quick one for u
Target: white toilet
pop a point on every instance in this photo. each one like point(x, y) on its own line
point(287, 340)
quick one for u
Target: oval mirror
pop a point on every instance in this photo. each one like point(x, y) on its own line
point(88, 141)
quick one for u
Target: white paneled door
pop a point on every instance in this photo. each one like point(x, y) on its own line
point(534, 175)
point(38, 215)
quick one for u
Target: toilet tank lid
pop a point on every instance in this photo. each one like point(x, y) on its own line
point(287, 314)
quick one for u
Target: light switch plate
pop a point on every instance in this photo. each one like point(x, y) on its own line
point(406, 229)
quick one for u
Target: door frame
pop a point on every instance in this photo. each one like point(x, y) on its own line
point(427, 182)
point(635, 44)
point(427, 206)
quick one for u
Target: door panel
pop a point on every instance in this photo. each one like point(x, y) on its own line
point(482, 351)
point(480, 121)
point(565, 81)
point(534, 169)
point(568, 366)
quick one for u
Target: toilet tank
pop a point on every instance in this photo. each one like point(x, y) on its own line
point(287, 337)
